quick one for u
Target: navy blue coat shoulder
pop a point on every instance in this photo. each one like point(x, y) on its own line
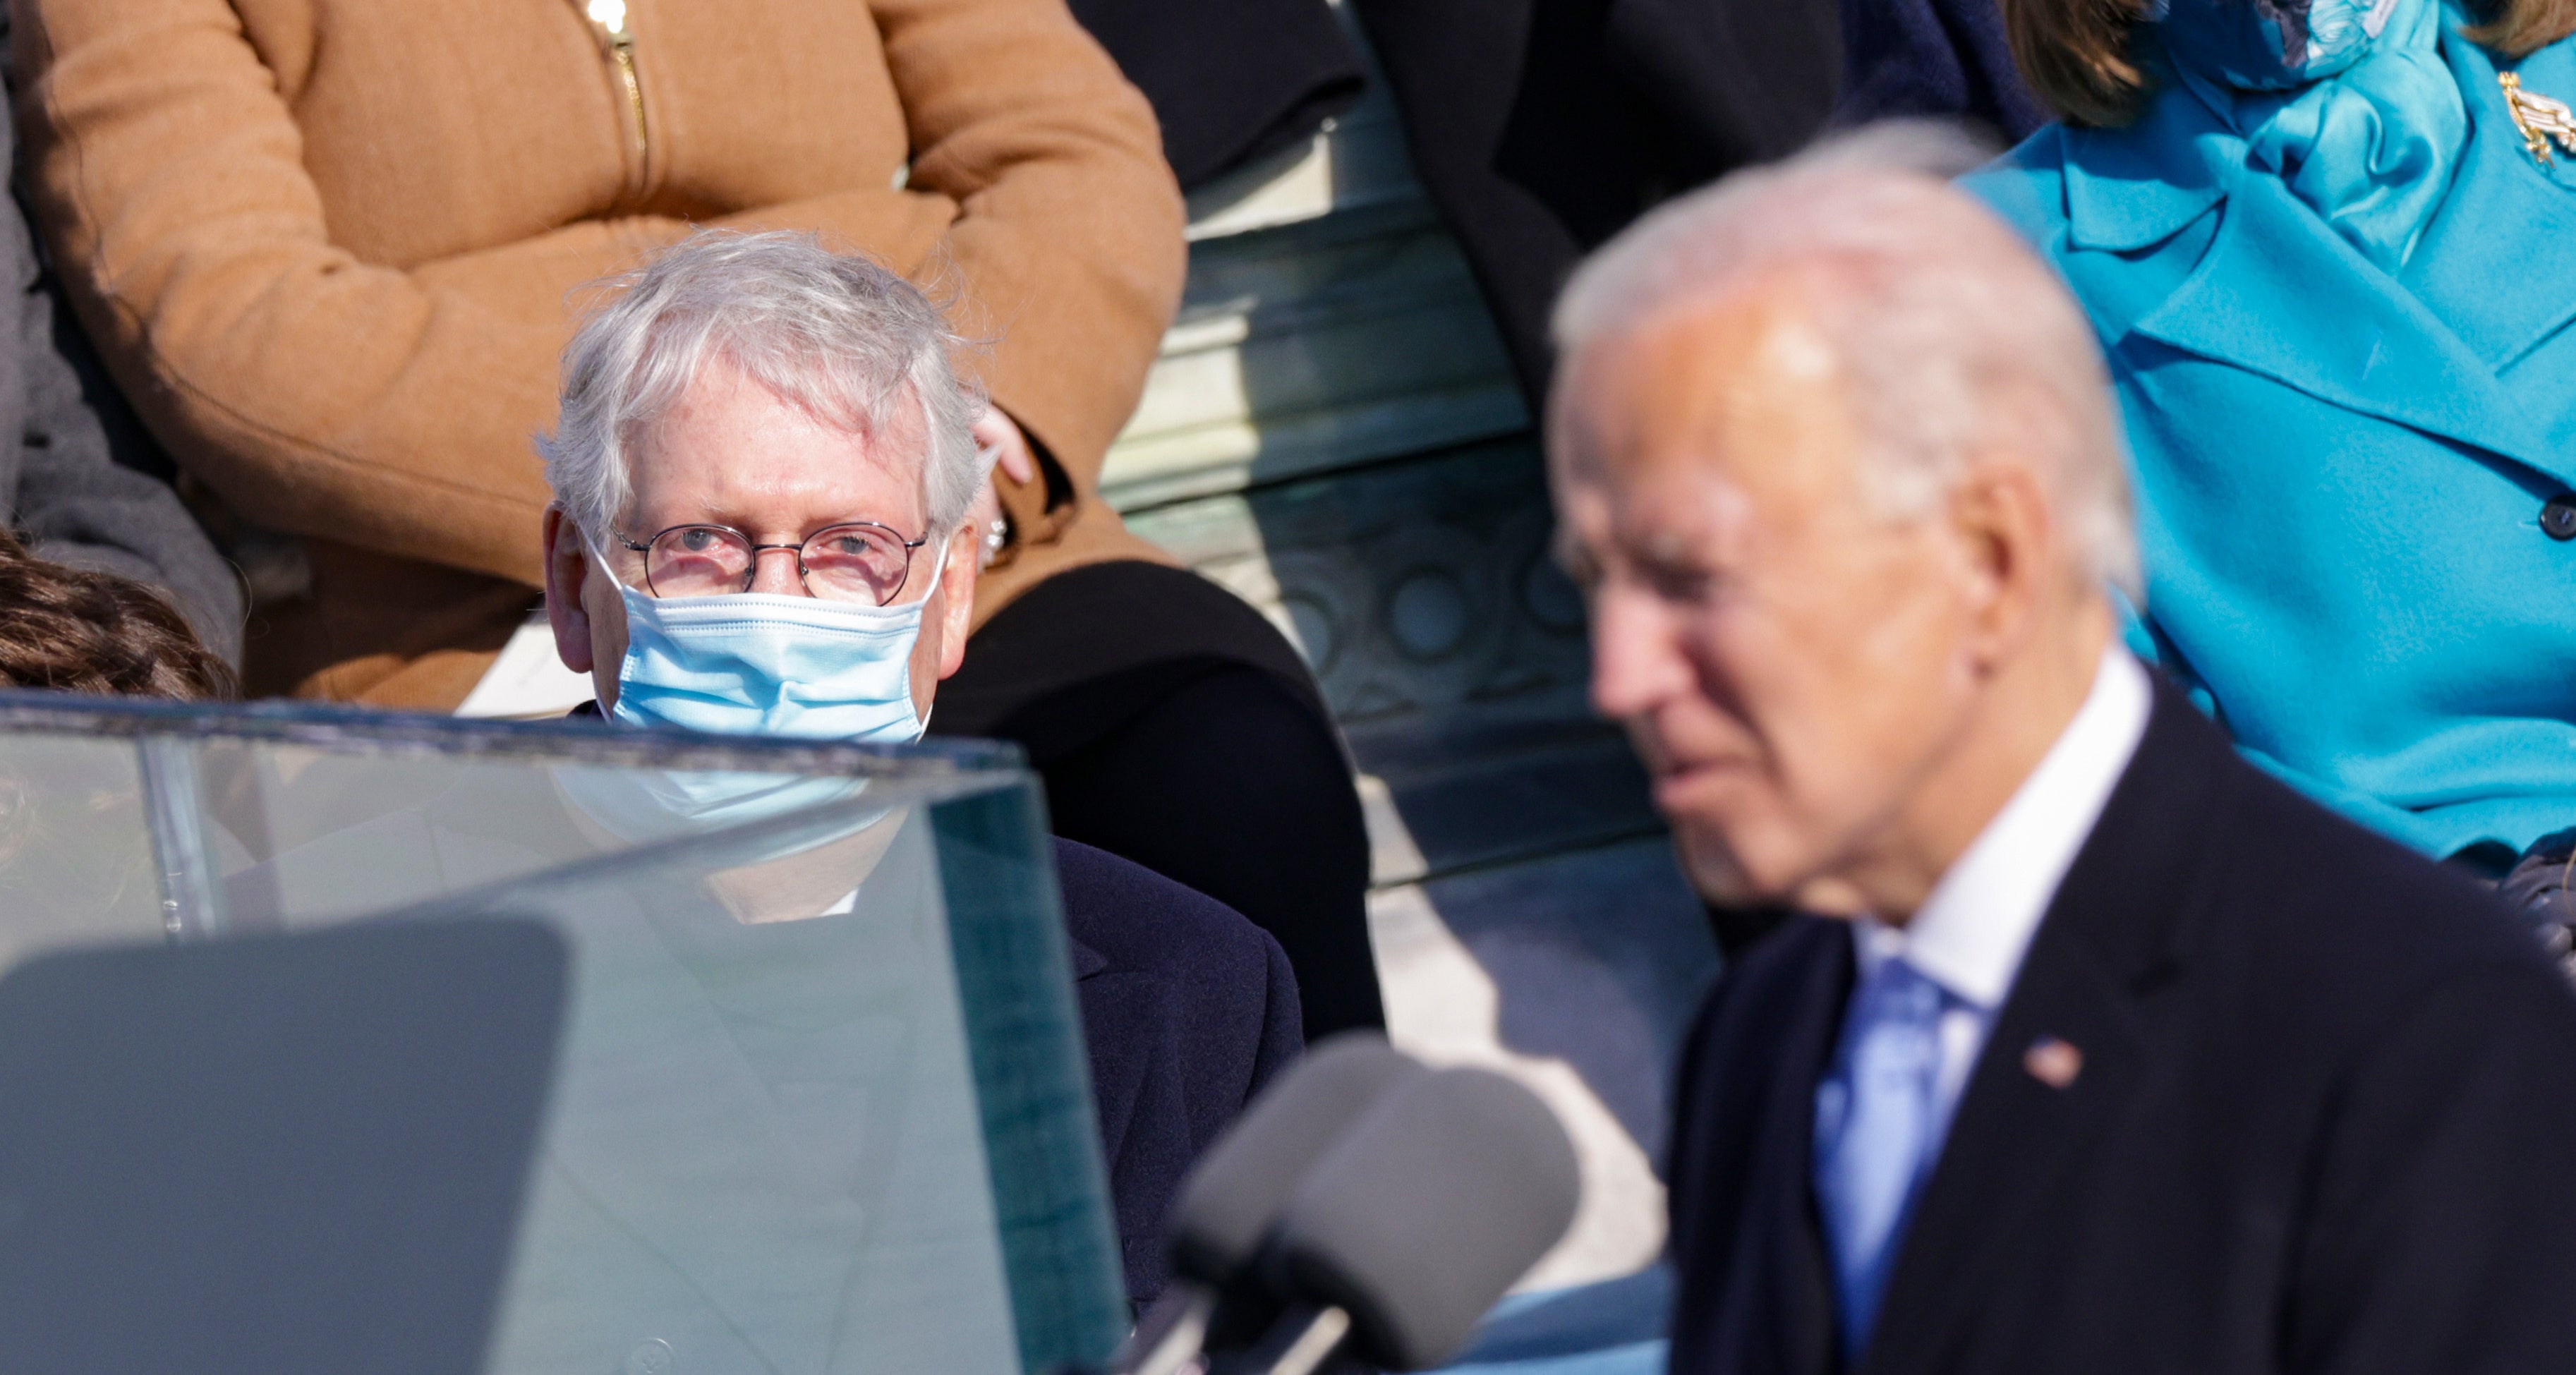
point(2320, 1121)
point(1188, 1009)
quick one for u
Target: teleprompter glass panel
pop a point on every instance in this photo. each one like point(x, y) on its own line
point(820, 1103)
point(76, 855)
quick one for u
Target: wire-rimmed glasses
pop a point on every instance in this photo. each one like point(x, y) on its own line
point(856, 561)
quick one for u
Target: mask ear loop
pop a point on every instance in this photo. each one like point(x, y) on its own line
point(938, 567)
point(625, 599)
point(599, 559)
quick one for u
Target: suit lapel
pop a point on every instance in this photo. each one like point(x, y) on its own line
point(1802, 1334)
point(2111, 935)
point(1121, 1010)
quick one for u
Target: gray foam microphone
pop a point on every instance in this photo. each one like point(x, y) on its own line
point(1423, 1214)
point(1230, 1200)
point(1232, 1196)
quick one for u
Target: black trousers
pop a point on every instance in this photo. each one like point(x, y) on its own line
point(1174, 727)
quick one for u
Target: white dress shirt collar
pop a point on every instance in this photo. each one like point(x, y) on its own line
point(1971, 933)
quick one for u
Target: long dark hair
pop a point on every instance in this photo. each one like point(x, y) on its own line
point(83, 631)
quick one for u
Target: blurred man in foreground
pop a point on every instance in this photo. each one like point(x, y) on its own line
point(2114, 1055)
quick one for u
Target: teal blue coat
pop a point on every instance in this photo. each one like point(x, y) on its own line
point(2341, 475)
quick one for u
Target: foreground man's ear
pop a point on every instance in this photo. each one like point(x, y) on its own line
point(2007, 540)
point(567, 573)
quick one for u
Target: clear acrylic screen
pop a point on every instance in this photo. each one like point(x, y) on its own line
point(819, 1104)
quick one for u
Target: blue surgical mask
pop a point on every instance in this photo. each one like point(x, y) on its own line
point(750, 664)
point(754, 664)
point(646, 806)
point(2269, 45)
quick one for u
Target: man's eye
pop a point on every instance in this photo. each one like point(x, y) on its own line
point(1678, 582)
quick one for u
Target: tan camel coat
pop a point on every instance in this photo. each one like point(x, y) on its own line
point(331, 248)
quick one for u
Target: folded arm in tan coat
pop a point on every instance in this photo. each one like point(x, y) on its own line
point(390, 405)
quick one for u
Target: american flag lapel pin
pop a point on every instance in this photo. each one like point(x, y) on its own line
point(2052, 1061)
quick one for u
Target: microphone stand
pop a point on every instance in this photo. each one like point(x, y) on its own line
point(1302, 1340)
point(1170, 1334)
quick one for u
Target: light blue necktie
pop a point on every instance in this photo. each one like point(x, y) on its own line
point(1878, 1127)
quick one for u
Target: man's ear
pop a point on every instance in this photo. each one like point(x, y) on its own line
point(2005, 529)
point(567, 572)
point(957, 597)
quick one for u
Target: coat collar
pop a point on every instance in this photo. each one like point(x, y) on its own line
point(2133, 188)
point(2115, 935)
point(2507, 220)
point(2278, 293)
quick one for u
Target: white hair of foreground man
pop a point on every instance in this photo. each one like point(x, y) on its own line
point(835, 334)
point(1946, 326)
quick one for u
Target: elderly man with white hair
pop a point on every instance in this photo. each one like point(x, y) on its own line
point(710, 417)
point(763, 474)
point(2105, 1052)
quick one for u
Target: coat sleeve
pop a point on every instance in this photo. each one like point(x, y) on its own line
point(2441, 1230)
point(75, 504)
point(1068, 249)
point(72, 502)
point(381, 406)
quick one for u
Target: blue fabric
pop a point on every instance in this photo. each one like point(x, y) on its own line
point(1630, 1310)
point(2276, 45)
point(2353, 110)
point(1632, 1358)
point(1609, 1327)
point(1879, 1122)
point(755, 664)
point(2340, 469)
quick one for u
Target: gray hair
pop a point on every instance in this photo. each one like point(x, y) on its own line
point(1935, 307)
point(836, 334)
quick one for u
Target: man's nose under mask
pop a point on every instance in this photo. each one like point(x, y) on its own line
point(2270, 45)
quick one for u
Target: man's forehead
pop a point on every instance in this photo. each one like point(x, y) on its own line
point(1744, 391)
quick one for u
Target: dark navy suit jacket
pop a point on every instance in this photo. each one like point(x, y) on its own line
point(2321, 1122)
point(1188, 1009)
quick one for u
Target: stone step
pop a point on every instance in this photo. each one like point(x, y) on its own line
point(1575, 974)
point(1333, 433)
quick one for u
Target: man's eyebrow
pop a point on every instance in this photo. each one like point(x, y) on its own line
point(1667, 547)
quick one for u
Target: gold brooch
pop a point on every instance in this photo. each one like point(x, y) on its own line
point(2540, 118)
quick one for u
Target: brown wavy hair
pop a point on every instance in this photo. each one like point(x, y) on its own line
point(78, 630)
point(2077, 53)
